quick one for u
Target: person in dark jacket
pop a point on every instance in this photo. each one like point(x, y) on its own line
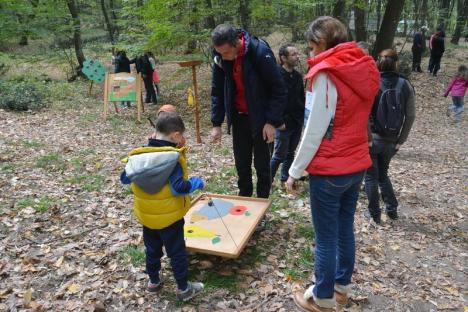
point(385, 147)
point(418, 48)
point(143, 66)
point(122, 63)
point(437, 46)
point(247, 89)
point(287, 138)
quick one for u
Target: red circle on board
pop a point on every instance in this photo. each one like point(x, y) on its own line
point(238, 210)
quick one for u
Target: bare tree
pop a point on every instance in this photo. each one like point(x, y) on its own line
point(339, 10)
point(390, 20)
point(462, 17)
point(77, 42)
point(360, 21)
point(444, 12)
point(110, 27)
point(244, 14)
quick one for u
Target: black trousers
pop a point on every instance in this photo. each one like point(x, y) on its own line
point(434, 64)
point(245, 146)
point(150, 93)
point(417, 54)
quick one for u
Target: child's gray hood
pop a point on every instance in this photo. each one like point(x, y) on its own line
point(151, 171)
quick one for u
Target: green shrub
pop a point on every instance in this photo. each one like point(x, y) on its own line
point(20, 96)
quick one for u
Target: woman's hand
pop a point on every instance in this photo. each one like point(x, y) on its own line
point(291, 186)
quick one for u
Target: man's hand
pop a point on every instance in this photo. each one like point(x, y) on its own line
point(216, 134)
point(291, 186)
point(397, 147)
point(268, 133)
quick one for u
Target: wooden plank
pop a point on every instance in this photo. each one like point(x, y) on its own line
point(240, 215)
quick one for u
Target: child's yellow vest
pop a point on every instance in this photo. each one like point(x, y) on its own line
point(158, 211)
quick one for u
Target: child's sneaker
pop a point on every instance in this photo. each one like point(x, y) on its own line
point(152, 287)
point(192, 290)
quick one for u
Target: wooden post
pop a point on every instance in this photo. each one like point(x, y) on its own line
point(90, 88)
point(197, 109)
point(138, 97)
point(106, 94)
point(194, 65)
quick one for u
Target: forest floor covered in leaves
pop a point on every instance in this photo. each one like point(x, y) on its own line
point(69, 241)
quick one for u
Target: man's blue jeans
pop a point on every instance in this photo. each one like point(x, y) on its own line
point(333, 203)
point(286, 142)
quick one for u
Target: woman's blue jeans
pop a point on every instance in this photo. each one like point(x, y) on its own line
point(333, 203)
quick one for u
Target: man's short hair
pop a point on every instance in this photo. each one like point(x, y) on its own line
point(169, 122)
point(223, 34)
point(283, 51)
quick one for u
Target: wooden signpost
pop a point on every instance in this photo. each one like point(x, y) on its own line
point(194, 65)
point(222, 225)
point(122, 87)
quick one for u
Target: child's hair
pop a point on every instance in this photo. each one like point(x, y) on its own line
point(168, 123)
point(462, 72)
point(387, 61)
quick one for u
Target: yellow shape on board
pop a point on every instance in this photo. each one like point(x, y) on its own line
point(197, 231)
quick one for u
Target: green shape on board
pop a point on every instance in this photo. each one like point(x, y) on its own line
point(94, 70)
point(216, 240)
point(248, 214)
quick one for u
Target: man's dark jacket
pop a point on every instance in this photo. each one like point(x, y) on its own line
point(265, 91)
point(294, 111)
point(438, 46)
point(122, 64)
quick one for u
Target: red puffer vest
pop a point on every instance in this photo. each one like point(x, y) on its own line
point(357, 81)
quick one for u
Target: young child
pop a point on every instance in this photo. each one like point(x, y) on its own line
point(159, 180)
point(457, 89)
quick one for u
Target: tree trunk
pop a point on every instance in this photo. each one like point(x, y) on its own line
point(424, 13)
point(360, 21)
point(390, 20)
point(72, 7)
point(210, 22)
point(444, 13)
point(244, 14)
point(462, 17)
point(110, 28)
point(379, 14)
point(339, 10)
point(417, 14)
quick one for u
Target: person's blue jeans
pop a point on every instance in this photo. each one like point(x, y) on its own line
point(381, 153)
point(172, 238)
point(333, 203)
point(286, 142)
point(458, 107)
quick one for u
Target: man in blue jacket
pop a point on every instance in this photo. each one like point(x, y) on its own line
point(248, 89)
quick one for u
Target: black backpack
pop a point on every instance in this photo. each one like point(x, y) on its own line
point(389, 116)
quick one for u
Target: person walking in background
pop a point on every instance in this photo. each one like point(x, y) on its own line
point(143, 66)
point(457, 89)
point(437, 47)
point(391, 120)
point(334, 150)
point(247, 89)
point(418, 48)
point(287, 138)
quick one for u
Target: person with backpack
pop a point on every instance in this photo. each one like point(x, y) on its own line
point(143, 67)
point(391, 120)
point(247, 89)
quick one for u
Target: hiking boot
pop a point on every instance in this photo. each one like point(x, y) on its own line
point(341, 299)
point(392, 215)
point(192, 290)
point(153, 287)
point(308, 305)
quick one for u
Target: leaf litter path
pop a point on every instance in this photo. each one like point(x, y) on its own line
point(66, 223)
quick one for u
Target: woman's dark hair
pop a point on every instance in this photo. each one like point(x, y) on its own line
point(329, 29)
point(387, 61)
point(169, 122)
point(283, 51)
point(223, 34)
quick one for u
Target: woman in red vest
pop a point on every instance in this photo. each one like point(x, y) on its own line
point(334, 150)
